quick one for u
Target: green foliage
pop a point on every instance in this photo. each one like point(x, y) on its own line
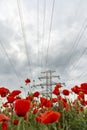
point(72, 115)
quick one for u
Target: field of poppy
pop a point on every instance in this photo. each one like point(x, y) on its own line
point(37, 112)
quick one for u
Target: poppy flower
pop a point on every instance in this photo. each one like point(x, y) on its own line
point(4, 91)
point(75, 89)
point(36, 94)
point(48, 104)
point(81, 96)
point(15, 93)
point(39, 117)
point(10, 99)
point(59, 97)
point(48, 117)
point(58, 85)
point(45, 102)
point(4, 119)
point(84, 86)
point(35, 110)
point(30, 98)
point(26, 117)
point(27, 81)
point(54, 100)
point(15, 122)
point(21, 107)
point(18, 97)
point(56, 91)
point(66, 92)
point(64, 102)
point(5, 104)
point(4, 126)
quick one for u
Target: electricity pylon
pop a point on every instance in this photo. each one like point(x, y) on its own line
point(48, 77)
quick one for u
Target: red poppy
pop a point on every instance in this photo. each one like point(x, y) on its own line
point(3, 118)
point(18, 97)
point(83, 103)
point(4, 91)
point(45, 102)
point(84, 86)
point(26, 117)
point(5, 104)
point(75, 89)
point(64, 102)
point(15, 93)
point(48, 104)
point(84, 91)
point(15, 122)
point(54, 100)
point(48, 117)
point(59, 97)
point(27, 81)
point(21, 107)
point(39, 117)
point(66, 92)
point(58, 85)
point(36, 94)
point(81, 98)
point(56, 91)
point(30, 97)
point(35, 110)
point(10, 99)
point(4, 126)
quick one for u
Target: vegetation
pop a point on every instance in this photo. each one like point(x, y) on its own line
point(37, 112)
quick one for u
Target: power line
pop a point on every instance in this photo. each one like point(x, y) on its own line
point(78, 61)
point(50, 31)
point(23, 34)
point(10, 61)
point(76, 42)
point(84, 73)
point(43, 31)
point(38, 34)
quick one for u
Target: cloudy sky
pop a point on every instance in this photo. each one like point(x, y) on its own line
point(41, 35)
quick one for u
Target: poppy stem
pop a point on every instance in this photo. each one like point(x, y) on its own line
point(20, 125)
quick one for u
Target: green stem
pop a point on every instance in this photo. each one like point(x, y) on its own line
point(20, 125)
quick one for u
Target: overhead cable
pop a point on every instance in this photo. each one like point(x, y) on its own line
point(24, 35)
point(49, 36)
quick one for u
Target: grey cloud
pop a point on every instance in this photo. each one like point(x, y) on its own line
point(62, 55)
